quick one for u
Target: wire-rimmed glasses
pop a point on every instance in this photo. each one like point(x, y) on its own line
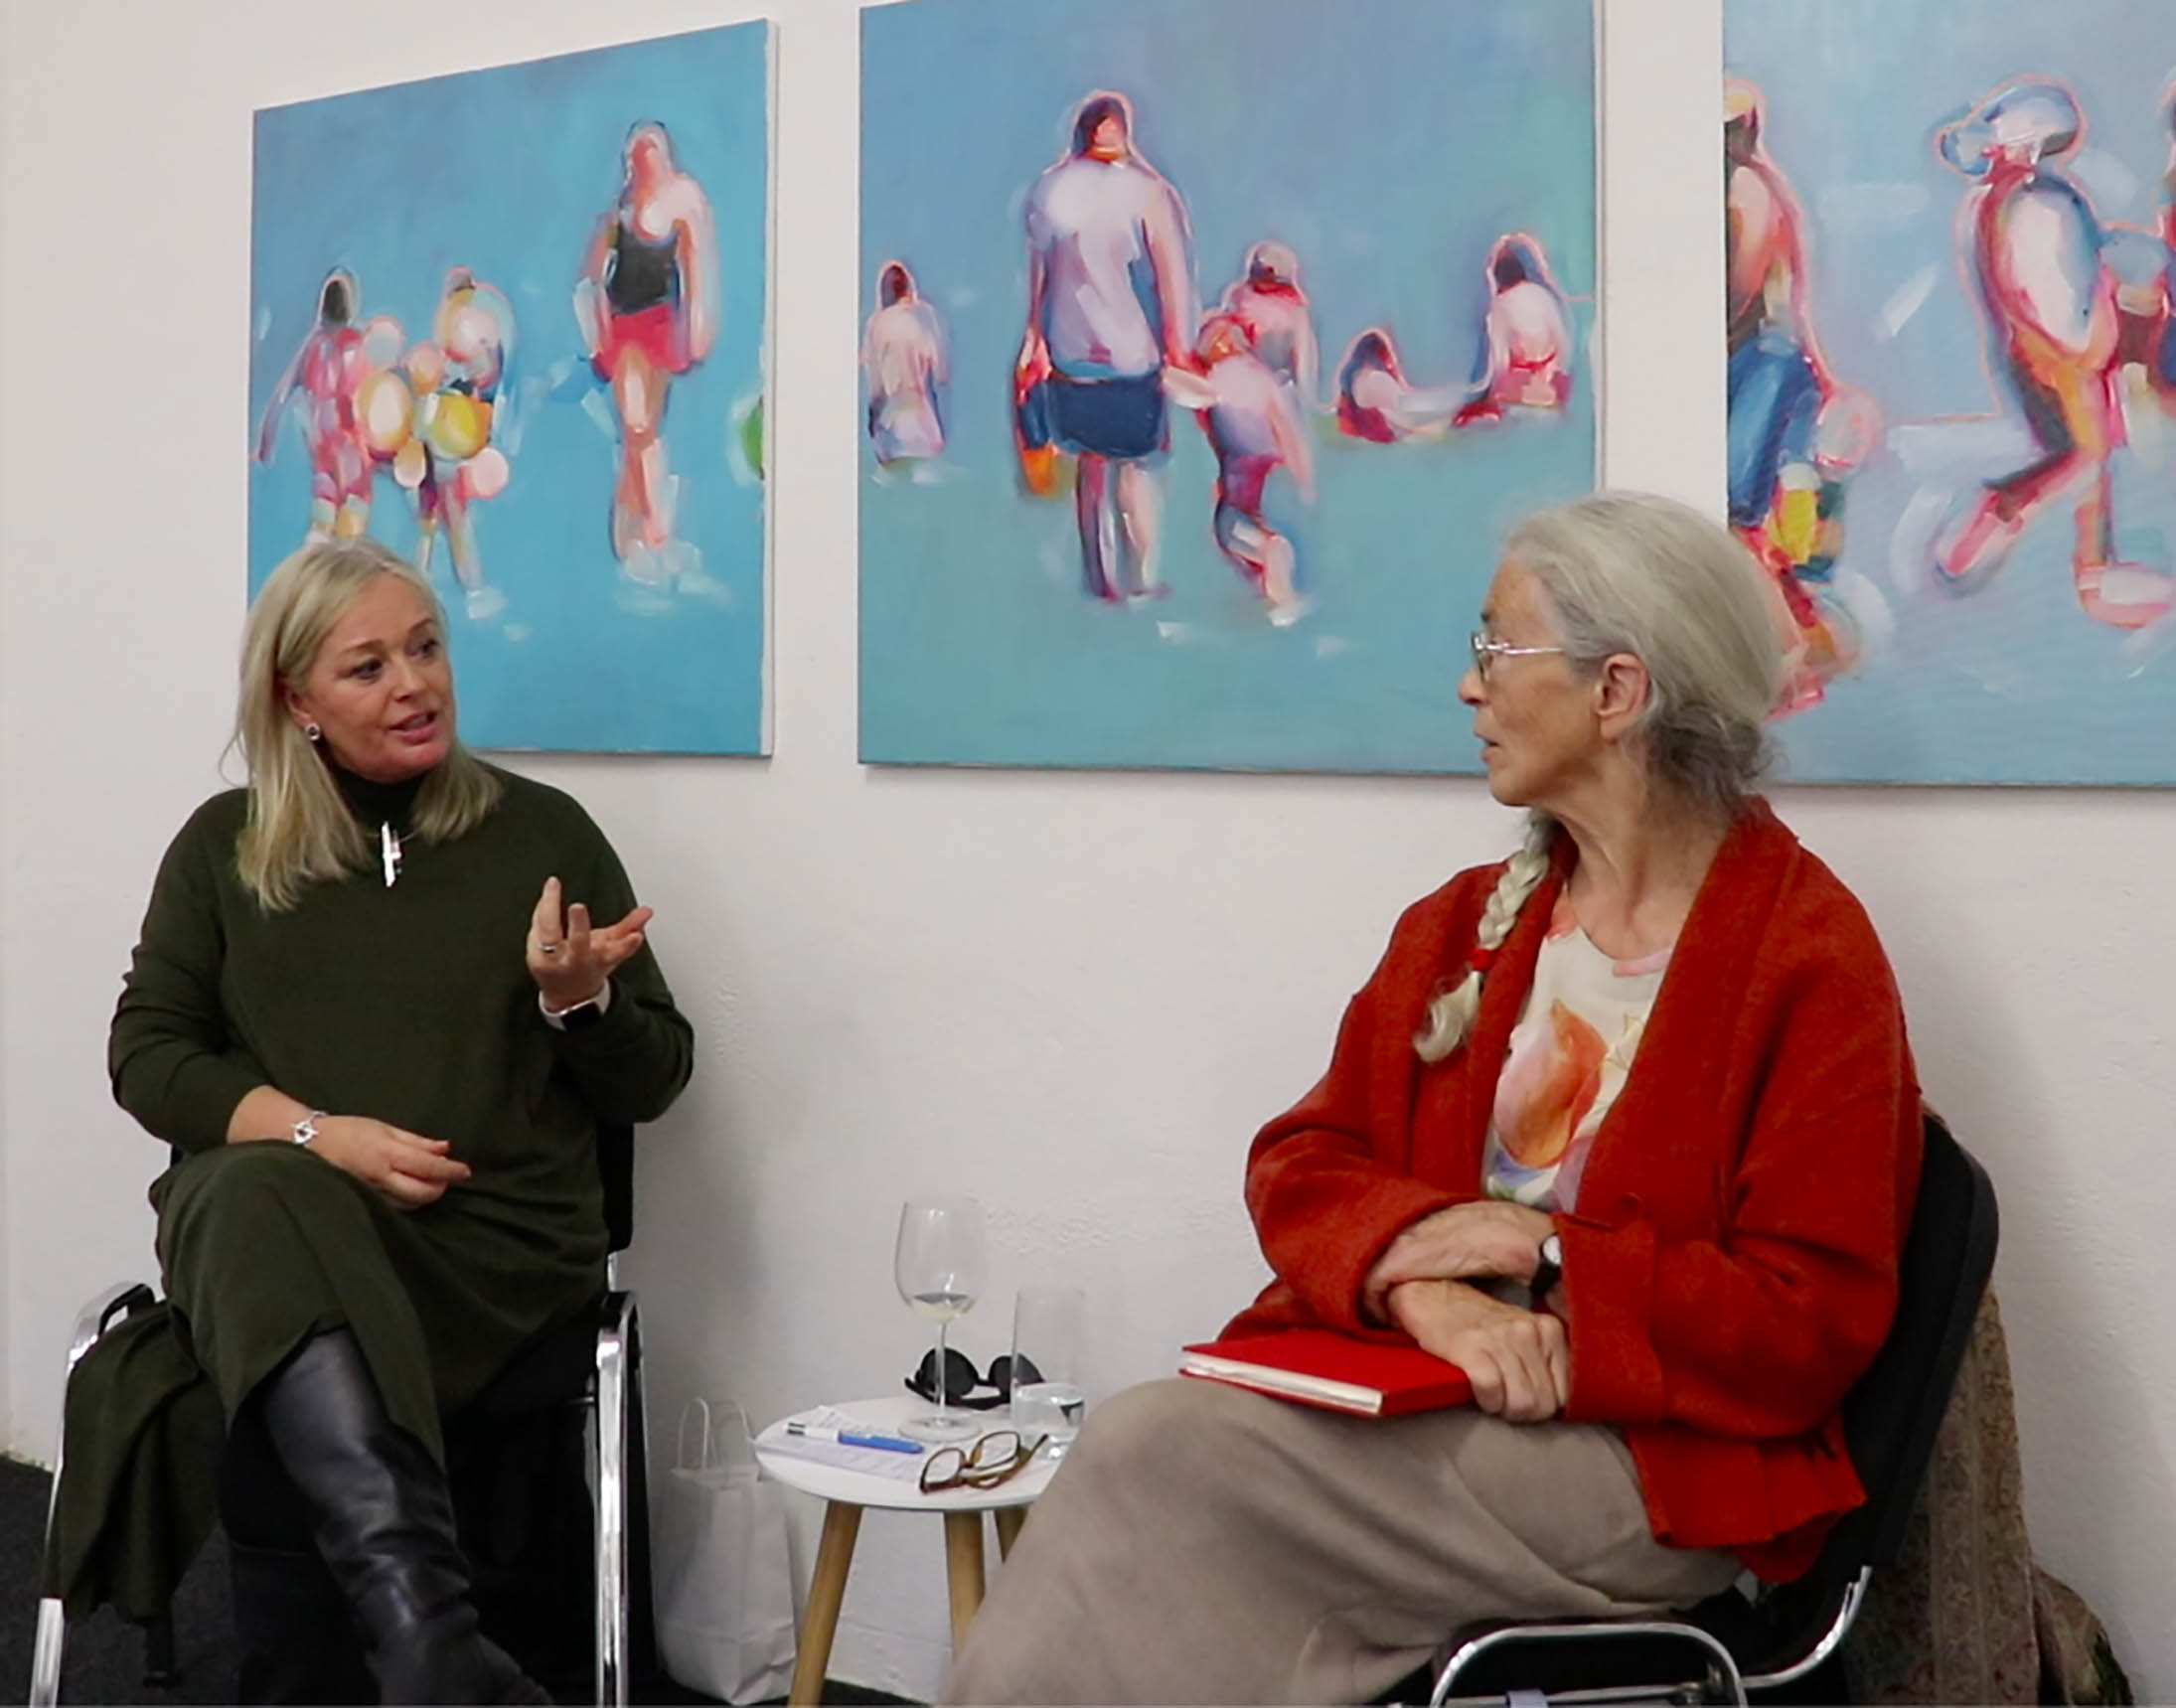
point(985, 1463)
point(1487, 649)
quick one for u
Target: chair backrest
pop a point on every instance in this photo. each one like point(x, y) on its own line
point(1892, 1415)
point(616, 1170)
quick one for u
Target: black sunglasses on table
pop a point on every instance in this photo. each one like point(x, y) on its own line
point(961, 1379)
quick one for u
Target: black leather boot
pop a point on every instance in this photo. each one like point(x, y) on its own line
point(382, 1521)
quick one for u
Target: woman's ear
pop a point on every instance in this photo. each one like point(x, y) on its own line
point(1621, 689)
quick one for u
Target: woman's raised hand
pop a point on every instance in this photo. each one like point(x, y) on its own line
point(1520, 1362)
point(569, 958)
point(403, 1167)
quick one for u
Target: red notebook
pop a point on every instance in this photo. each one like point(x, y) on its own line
point(1321, 1367)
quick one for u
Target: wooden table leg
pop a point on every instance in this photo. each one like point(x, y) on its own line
point(964, 1568)
point(1010, 1519)
point(827, 1590)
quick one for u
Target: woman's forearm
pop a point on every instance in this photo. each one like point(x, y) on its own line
point(265, 1113)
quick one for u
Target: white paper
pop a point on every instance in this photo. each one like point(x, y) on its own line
point(871, 1461)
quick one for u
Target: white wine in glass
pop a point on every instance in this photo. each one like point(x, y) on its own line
point(938, 1267)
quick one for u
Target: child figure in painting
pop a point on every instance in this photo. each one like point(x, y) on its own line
point(1248, 412)
point(2035, 249)
point(903, 356)
point(325, 377)
point(1374, 401)
point(1272, 308)
point(1525, 360)
point(1796, 434)
point(647, 303)
point(457, 377)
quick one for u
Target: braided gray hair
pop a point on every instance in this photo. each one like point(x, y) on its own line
point(1450, 1013)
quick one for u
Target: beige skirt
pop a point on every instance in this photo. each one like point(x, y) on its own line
point(1205, 1544)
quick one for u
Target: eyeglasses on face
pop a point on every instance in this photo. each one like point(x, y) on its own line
point(1487, 649)
point(985, 1463)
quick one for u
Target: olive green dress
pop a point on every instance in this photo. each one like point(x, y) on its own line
point(407, 1001)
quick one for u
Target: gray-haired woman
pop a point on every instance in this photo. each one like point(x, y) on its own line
point(1627, 1128)
point(379, 958)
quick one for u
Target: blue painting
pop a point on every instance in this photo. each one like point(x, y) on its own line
point(1207, 351)
point(513, 323)
point(1952, 381)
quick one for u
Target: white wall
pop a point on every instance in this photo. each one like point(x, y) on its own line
point(1077, 993)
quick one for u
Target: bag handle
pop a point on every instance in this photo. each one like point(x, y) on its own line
point(680, 1446)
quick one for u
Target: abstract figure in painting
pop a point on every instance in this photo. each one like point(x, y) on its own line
point(1795, 432)
point(1525, 360)
point(2034, 246)
point(1377, 404)
point(1249, 412)
point(1109, 305)
point(647, 308)
point(325, 378)
point(457, 377)
point(903, 358)
point(1273, 310)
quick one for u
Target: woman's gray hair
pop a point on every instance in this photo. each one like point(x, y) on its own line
point(1632, 572)
point(299, 831)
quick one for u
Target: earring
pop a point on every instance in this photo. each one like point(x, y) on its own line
point(311, 732)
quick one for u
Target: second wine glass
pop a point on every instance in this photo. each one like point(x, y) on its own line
point(939, 1267)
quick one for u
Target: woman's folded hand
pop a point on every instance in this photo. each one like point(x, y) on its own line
point(1518, 1361)
point(1486, 1239)
point(405, 1169)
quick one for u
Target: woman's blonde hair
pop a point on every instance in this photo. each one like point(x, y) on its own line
point(1631, 572)
point(299, 831)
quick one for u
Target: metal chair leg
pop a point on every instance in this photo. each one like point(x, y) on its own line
point(51, 1639)
point(615, 1354)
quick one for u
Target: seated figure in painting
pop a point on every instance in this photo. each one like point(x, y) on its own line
point(1525, 360)
point(1625, 1127)
point(1376, 403)
point(373, 1015)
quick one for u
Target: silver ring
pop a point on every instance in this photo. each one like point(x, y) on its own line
point(547, 948)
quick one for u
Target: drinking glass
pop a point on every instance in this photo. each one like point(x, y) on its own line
point(938, 1266)
point(1046, 1336)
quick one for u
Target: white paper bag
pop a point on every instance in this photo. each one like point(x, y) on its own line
point(724, 1580)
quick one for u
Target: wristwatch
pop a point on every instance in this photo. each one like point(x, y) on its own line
point(305, 1129)
point(1548, 1271)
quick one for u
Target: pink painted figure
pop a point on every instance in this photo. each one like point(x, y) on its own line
point(648, 306)
point(324, 380)
point(456, 377)
point(903, 356)
point(1271, 306)
point(1525, 360)
point(1795, 432)
point(1376, 403)
point(2034, 248)
point(1111, 304)
point(1252, 420)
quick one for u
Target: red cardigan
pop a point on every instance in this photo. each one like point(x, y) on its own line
point(1731, 1267)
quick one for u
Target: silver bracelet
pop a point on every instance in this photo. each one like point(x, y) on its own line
point(305, 1129)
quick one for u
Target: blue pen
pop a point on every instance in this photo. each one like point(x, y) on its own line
point(883, 1442)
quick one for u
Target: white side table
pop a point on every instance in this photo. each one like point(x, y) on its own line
point(849, 1493)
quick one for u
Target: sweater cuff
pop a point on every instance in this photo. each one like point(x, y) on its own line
point(1609, 1296)
point(1363, 1232)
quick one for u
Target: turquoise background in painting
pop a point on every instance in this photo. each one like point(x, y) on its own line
point(1389, 143)
point(508, 172)
point(2013, 682)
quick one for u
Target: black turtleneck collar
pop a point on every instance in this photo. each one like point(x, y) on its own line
point(377, 803)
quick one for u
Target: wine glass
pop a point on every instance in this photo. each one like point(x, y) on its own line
point(938, 1266)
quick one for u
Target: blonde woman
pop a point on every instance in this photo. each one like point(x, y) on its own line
point(1625, 1127)
point(376, 1012)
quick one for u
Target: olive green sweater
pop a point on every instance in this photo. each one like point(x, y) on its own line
point(410, 1004)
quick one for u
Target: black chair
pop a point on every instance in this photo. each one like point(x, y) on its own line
point(1731, 1645)
point(586, 1374)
